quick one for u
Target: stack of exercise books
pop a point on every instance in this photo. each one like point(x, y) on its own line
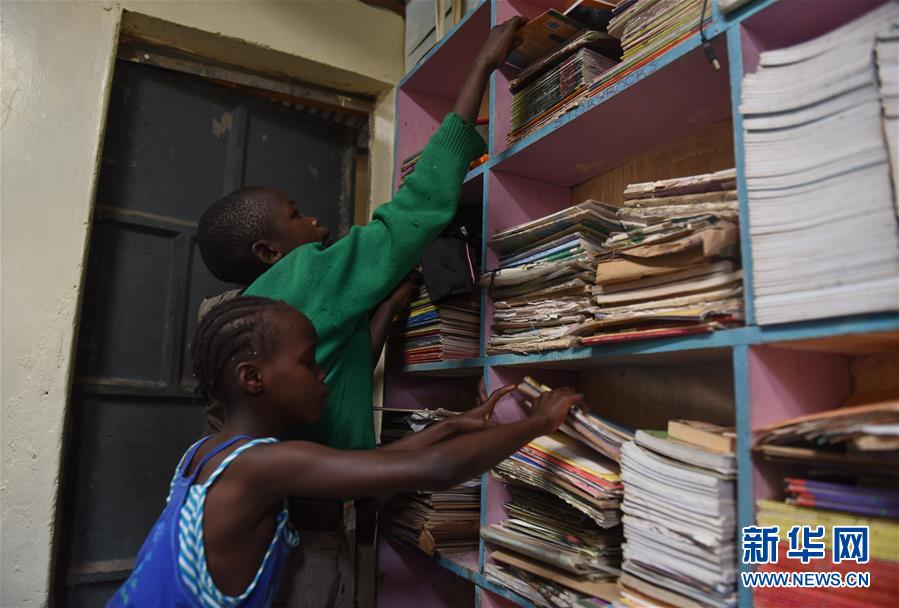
point(815, 122)
point(549, 549)
point(435, 522)
point(860, 437)
point(425, 332)
point(647, 29)
point(887, 57)
point(675, 270)
point(546, 266)
point(563, 81)
point(846, 463)
point(563, 534)
point(679, 518)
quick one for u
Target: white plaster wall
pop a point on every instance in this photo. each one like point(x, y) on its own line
point(56, 69)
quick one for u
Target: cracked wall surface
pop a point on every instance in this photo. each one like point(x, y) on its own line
point(57, 60)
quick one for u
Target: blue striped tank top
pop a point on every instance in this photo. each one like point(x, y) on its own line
point(171, 568)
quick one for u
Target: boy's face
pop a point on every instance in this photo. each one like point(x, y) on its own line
point(291, 228)
point(294, 388)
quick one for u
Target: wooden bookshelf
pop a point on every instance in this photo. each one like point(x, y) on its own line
point(674, 116)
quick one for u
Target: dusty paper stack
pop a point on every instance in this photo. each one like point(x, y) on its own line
point(545, 267)
point(679, 522)
point(675, 271)
point(822, 209)
point(435, 522)
point(562, 537)
point(425, 332)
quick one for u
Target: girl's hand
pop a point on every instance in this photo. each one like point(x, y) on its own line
point(500, 41)
point(554, 405)
point(479, 417)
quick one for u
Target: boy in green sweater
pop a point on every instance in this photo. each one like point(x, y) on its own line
point(257, 237)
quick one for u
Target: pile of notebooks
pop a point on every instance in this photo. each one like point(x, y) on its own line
point(847, 475)
point(569, 77)
point(562, 537)
point(540, 289)
point(861, 437)
point(425, 332)
point(679, 518)
point(815, 122)
point(647, 29)
point(675, 270)
point(435, 522)
point(666, 263)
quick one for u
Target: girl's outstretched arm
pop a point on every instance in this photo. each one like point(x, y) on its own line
point(296, 468)
point(476, 419)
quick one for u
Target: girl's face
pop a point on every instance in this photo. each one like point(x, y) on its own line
point(294, 385)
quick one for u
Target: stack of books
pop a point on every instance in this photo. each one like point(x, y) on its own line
point(887, 56)
point(675, 270)
point(546, 266)
point(565, 80)
point(436, 522)
point(647, 29)
point(425, 332)
point(848, 465)
point(679, 517)
point(562, 537)
point(814, 124)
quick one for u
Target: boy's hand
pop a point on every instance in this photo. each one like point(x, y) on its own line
point(492, 55)
point(554, 405)
point(479, 417)
point(500, 41)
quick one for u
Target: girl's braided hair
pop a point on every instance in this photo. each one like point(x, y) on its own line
point(230, 328)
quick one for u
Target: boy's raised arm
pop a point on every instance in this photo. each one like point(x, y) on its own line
point(361, 269)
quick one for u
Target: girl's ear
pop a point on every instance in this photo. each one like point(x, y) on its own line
point(265, 253)
point(249, 378)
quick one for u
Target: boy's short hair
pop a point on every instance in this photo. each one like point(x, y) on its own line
point(227, 231)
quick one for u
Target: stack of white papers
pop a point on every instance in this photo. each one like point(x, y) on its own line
point(822, 212)
point(679, 529)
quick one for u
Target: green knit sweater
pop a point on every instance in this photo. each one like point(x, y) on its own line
point(338, 286)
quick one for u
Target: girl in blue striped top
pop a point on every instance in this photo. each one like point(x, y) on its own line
point(224, 537)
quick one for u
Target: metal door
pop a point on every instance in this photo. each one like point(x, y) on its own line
point(174, 144)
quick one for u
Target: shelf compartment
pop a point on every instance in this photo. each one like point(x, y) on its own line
point(408, 578)
point(648, 107)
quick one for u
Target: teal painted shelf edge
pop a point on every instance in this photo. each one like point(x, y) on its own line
point(725, 338)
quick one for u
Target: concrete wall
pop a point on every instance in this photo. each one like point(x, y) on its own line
point(57, 62)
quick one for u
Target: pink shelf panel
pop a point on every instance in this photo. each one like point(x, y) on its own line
point(410, 579)
point(789, 22)
point(784, 383)
point(427, 392)
point(444, 70)
point(418, 117)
